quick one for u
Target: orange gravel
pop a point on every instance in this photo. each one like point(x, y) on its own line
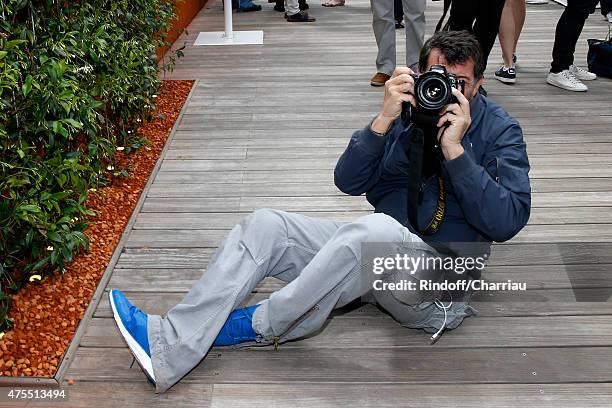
point(47, 313)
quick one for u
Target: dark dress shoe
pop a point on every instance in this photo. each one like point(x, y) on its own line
point(300, 17)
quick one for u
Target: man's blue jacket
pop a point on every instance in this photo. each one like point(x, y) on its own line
point(488, 194)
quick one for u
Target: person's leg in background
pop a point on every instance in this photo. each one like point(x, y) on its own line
point(383, 23)
point(510, 27)
point(398, 12)
point(606, 9)
point(414, 18)
point(248, 5)
point(333, 3)
point(294, 13)
point(486, 25)
point(563, 73)
point(462, 15)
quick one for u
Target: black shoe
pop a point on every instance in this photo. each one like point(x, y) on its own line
point(300, 17)
point(399, 24)
point(252, 7)
point(303, 5)
point(506, 75)
point(280, 6)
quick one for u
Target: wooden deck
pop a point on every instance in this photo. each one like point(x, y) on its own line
point(264, 128)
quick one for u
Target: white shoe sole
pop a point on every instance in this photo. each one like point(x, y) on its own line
point(585, 79)
point(141, 356)
point(505, 80)
point(567, 88)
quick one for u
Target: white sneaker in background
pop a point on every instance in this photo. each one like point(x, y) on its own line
point(609, 17)
point(566, 80)
point(536, 1)
point(582, 74)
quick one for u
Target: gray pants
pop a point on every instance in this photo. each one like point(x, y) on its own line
point(383, 23)
point(321, 261)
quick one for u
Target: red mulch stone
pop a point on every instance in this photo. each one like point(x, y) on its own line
point(47, 313)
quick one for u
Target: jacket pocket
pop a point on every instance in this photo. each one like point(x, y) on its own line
point(493, 168)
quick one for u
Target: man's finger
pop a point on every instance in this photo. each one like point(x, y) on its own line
point(401, 70)
point(408, 98)
point(453, 107)
point(463, 102)
point(404, 87)
point(401, 79)
point(446, 119)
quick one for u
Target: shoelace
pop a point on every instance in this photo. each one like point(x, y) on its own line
point(570, 77)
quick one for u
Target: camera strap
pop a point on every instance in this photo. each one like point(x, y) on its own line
point(416, 184)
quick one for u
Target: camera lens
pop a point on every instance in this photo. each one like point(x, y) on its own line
point(433, 92)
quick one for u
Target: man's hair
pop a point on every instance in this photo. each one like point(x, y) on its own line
point(457, 47)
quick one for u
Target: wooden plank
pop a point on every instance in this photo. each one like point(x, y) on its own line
point(396, 364)
point(337, 395)
point(562, 233)
point(551, 179)
point(339, 202)
point(187, 221)
point(591, 161)
point(132, 394)
point(549, 302)
point(380, 332)
point(534, 276)
point(510, 254)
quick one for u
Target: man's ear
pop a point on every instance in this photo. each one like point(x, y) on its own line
point(478, 85)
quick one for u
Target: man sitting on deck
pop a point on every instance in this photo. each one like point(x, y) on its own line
point(484, 169)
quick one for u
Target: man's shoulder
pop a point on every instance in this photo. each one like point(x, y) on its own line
point(495, 113)
point(493, 122)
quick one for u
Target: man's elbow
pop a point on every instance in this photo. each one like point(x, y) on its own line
point(509, 230)
point(344, 184)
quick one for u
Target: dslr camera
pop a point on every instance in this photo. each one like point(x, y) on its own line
point(432, 91)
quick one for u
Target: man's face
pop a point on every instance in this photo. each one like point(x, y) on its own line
point(464, 72)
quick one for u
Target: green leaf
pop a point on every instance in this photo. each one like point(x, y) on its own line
point(27, 85)
point(73, 123)
point(13, 43)
point(3, 54)
point(41, 263)
point(54, 236)
point(33, 208)
point(29, 238)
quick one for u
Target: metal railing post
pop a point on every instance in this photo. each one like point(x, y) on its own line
point(229, 30)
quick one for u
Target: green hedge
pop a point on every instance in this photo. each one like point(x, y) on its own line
point(76, 79)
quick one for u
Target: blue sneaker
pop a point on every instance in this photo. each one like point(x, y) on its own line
point(132, 324)
point(238, 327)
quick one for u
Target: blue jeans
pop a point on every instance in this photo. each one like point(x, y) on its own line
point(243, 4)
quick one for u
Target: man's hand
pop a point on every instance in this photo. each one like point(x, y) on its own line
point(398, 89)
point(454, 122)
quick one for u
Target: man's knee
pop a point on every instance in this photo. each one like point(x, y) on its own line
point(265, 220)
point(379, 227)
point(263, 228)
